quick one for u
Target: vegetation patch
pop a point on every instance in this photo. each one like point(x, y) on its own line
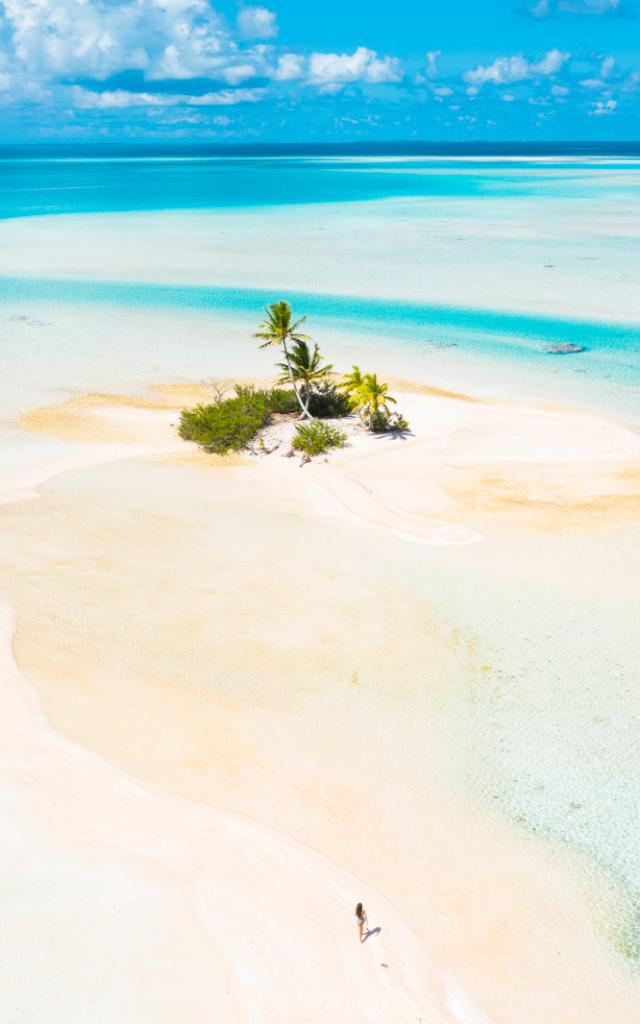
point(317, 437)
point(230, 425)
point(327, 402)
point(384, 422)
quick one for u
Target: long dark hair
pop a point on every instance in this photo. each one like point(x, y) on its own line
point(359, 910)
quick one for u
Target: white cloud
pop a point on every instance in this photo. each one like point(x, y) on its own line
point(443, 90)
point(121, 98)
point(607, 67)
point(96, 38)
point(236, 73)
point(50, 40)
point(331, 71)
point(603, 108)
point(289, 67)
point(559, 90)
point(257, 23)
point(86, 99)
point(505, 70)
point(432, 63)
point(226, 98)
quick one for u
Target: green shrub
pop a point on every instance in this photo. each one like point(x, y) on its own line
point(316, 438)
point(384, 422)
point(244, 391)
point(230, 424)
point(233, 423)
point(327, 402)
point(282, 400)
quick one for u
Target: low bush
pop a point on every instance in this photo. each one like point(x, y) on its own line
point(389, 422)
point(232, 423)
point(316, 438)
point(278, 400)
point(327, 402)
point(282, 400)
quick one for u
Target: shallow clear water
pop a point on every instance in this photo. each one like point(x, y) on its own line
point(607, 372)
point(520, 192)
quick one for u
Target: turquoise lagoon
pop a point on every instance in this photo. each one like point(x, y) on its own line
point(410, 333)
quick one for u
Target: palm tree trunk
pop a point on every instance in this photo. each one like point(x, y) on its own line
point(305, 414)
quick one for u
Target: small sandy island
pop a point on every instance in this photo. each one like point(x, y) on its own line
point(463, 459)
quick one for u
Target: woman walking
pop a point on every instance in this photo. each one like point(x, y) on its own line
point(361, 918)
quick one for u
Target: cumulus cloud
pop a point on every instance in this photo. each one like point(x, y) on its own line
point(97, 38)
point(50, 45)
point(506, 70)
point(257, 23)
point(235, 73)
point(290, 66)
point(331, 71)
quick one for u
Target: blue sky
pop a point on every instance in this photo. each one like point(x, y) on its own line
point(342, 70)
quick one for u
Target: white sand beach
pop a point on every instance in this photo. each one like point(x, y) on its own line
point(236, 708)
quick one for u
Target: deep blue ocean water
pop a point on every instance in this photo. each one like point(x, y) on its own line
point(99, 179)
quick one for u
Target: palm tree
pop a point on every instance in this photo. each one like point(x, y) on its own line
point(371, 398)
point(305, 367)
point(352, 381)
point(277, 329)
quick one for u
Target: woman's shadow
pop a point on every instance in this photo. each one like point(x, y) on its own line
point(371, 932)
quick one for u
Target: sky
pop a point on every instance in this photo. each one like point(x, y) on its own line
point(339, 71)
